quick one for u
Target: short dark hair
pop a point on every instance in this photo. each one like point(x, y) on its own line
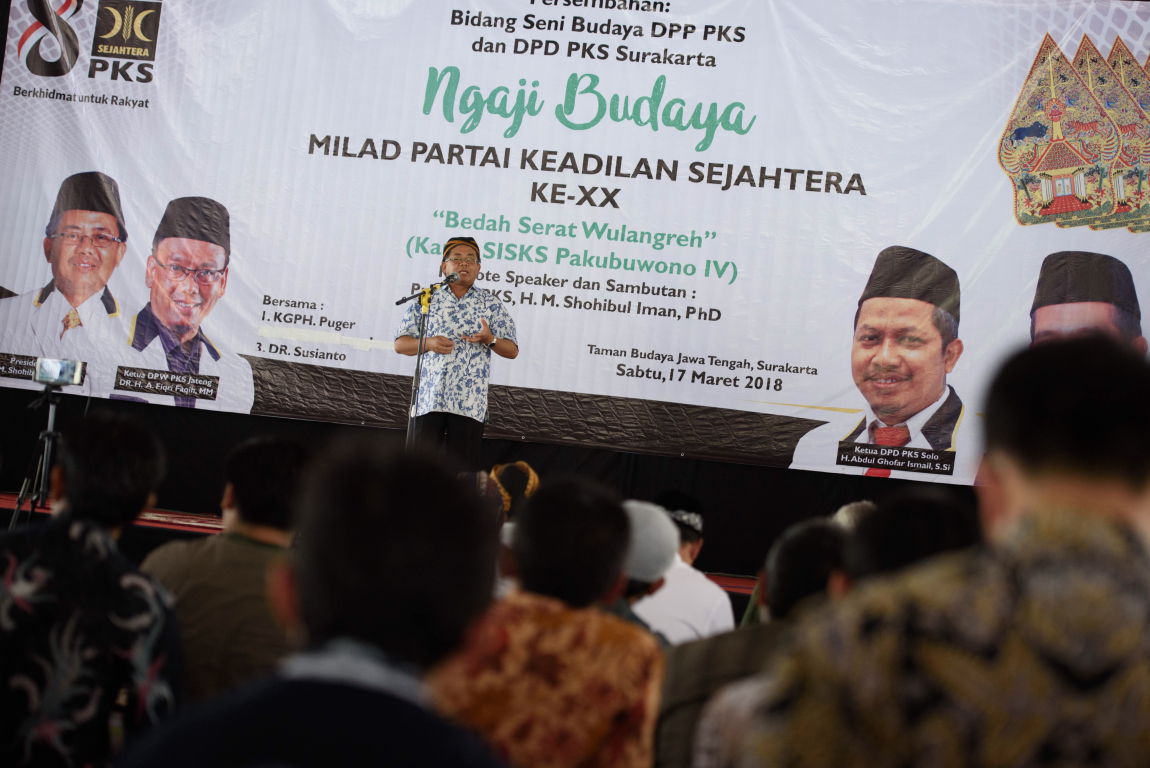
point(687, 534)
point(908, 527)
point(800, 563)
point(635, 588)
point(265, 475)
point(111, 464)
point(570, 540)
point(1128, 323)
point(394, 551)
point(1078, 405)
point(943, 322)
point(672, 500)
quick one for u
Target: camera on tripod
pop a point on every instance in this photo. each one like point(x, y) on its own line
point(53, 374)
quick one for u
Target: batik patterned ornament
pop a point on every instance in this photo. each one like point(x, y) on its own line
point(1131, 198)
point(1058, 146)
point(1145, 76)
point(1134, 182)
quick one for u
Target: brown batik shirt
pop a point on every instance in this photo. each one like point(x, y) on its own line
point(550, 686)
point(1035, 652)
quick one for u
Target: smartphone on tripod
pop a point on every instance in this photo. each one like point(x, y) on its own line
point(59, 373)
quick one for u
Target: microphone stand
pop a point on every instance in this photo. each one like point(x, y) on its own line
point(424, 296)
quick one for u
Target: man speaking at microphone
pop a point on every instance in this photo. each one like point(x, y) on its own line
point(465, 324)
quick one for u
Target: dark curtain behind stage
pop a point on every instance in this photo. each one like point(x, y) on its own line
point(746, 506)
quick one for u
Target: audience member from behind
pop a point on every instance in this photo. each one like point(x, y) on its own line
point(849, 515)
point(654, 542)
point(846, 517)
point(517, 483)
point(548, 679)
point(689, 606)
point(219, 582)
point(86, 640)
point(381, 594)
point(807, 560)
point(1033, 650)
point(906, 528)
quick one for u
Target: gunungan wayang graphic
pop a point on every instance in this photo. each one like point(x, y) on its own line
point(1058, 147)
point(1137, 81)
point(1135, 183)
point(1127, 171)
point(1077, 146)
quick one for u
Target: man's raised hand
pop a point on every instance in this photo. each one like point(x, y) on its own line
point(485, 336)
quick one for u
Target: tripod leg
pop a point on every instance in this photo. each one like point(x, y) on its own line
point(28, 488)
point(12, 523)
point(43, 487)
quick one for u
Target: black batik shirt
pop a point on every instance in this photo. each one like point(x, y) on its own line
point(80, 628)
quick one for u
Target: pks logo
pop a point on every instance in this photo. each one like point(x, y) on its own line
point(126, 29)
point(57, 26)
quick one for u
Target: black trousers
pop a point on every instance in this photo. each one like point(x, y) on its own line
point(457, 436)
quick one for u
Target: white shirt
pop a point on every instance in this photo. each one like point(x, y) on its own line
point(688, 607)
point(29, 326)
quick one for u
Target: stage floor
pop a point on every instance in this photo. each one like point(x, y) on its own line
point(152, 518)
point(209, 524)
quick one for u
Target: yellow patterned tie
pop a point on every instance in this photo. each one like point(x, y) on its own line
point(71, 320)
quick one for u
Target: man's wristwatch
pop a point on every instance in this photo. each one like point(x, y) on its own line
point(493, 343)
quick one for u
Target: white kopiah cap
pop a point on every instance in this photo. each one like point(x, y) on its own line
point(654, 541)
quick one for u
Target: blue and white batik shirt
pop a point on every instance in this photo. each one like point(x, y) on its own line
point(457, 382)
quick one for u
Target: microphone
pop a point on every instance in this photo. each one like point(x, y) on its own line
point(452, 278)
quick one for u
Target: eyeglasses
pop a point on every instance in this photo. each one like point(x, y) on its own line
point(75, 239)
point(458, 260)
point(203, 276)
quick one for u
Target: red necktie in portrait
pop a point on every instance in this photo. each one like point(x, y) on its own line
point(894, 436)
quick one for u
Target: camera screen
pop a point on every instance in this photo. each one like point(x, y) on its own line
point(59, 372)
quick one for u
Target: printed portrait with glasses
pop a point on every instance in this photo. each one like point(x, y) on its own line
point(84, 249)
point(186, 278)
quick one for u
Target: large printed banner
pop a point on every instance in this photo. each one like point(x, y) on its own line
point(766, 231)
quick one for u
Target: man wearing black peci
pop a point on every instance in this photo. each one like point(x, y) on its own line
point(74, 315)
point(465, 325)
point(1081, 293)
point(186, 275)
point(905, 345)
